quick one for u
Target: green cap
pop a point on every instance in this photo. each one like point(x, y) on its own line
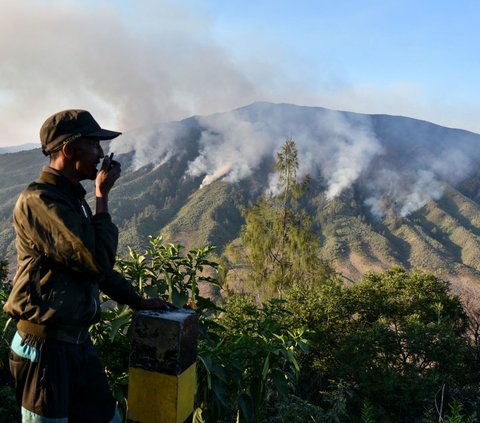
point(69, 125)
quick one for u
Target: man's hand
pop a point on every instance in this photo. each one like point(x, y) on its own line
point(106, 177)
point(155, 304)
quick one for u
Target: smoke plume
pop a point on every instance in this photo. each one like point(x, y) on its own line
point(341, 148)
point(157, 64)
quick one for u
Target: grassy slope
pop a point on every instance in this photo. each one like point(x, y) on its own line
point(211, 215)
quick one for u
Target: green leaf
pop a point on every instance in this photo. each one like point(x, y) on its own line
point(246, 407)
point(179, 298)
point(206, 304)
point(220, 392)
point(266, 367)
point(151, 291)
point(207, 362)
point(293, 360)
point(119, 322)
point(219, 372)
point(280, 381)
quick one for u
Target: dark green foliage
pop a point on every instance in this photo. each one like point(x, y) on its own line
point(9, 410)
point(454, 412)
point(247, 356)
point(377, 351)
point(111, 339)
point(165, 271)
point(368, 413)
point(293, 409)
point(395, 337)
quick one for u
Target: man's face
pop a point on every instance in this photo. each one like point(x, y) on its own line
point(87, 156)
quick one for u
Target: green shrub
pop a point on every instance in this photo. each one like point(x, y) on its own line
point(394, 337)
point(247, 358)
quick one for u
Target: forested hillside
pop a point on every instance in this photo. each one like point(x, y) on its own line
point(384, 190)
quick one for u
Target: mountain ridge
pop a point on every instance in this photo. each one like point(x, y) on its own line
point(20, 147)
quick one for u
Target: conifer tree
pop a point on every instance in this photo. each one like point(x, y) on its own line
point(282, 250)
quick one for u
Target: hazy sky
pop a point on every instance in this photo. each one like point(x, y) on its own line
point(136, 62)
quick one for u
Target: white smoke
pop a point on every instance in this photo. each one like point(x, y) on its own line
point(341, 148)
point(231, 148)
point(425, 188)
point(352, 147)
point(454, 164)
point(402, 193)
point(233, 145)
point(154, 145)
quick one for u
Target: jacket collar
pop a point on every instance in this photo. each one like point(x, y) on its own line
point(54, 177)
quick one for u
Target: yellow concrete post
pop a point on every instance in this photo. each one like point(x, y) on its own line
point(162, 370)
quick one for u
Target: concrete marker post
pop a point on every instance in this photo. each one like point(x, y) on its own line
point(162, 366)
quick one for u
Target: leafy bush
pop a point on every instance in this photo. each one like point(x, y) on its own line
point(164, 271)
point(375, 351)
point(161, 271)
point(247, 354)
point(248, 357)
point(395, 337)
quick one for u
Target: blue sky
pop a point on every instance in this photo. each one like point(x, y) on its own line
point(430, 45)
point(373, 40)
point(137, 62)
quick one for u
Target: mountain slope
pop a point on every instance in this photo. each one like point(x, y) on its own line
point(385, 189)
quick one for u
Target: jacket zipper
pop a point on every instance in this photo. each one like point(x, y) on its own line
point(84, 211)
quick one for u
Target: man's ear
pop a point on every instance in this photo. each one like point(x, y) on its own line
point(68, 151)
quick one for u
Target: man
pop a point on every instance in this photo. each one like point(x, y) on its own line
point(65, 255)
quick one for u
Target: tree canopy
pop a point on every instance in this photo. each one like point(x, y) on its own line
point(281, 248)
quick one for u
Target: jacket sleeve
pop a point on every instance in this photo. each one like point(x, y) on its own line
point(56, 230)
point(113, 283)
point(106, 240)
point(119, 289)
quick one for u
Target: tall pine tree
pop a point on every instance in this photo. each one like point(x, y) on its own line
point(281, 248)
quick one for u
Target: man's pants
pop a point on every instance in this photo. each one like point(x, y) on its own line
point(60, 382)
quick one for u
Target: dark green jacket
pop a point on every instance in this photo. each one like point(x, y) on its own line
point(65, 255)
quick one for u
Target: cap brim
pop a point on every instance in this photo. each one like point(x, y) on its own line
point(103, 134)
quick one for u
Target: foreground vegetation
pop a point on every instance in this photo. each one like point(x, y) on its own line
point(393, 348)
